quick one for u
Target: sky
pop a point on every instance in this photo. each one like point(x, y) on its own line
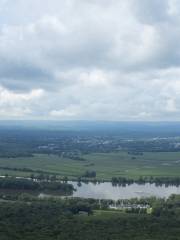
point(110, 60)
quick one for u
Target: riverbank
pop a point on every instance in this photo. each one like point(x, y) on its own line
point(123, 189)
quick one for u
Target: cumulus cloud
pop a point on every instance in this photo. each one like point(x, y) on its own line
point(81, 59)
point(15, 105)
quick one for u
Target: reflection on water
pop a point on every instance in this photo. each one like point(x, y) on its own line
point(107, 191)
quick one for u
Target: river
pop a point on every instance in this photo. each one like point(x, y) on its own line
point(107, 191)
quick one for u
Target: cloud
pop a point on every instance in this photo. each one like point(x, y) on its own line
point(14, 104)
point(10, 97)
point(80, 59)
point(154, 11)
point(171, 106)
point(71, 111)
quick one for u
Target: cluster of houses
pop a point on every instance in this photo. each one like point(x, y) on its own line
point(128, 206)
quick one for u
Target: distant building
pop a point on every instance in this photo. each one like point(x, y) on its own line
point(128, 206)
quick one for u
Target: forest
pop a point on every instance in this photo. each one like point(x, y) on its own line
point(10, 183)
point(79, 219)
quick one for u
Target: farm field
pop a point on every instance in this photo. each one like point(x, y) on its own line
point(106, 165)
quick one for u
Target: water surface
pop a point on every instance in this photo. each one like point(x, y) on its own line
point(107, 191)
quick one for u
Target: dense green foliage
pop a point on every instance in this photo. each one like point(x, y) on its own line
point(62, 220)
point(25, 184)
point(89, 174)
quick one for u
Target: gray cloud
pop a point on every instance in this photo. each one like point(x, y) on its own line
point(80, 59)
point(152, 12)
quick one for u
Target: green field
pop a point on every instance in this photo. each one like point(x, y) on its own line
point(106, 165)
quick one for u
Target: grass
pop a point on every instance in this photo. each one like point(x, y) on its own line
point(106, 165)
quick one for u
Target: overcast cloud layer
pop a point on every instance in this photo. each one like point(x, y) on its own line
point(90, 59)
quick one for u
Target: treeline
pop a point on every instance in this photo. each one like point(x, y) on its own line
point(24, 169)
point(89, 174)
point(25, 184)
point(158, 181)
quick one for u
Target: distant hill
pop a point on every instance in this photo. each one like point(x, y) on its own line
point(126, 129)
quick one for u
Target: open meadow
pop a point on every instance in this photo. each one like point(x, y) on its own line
point(106, 165)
